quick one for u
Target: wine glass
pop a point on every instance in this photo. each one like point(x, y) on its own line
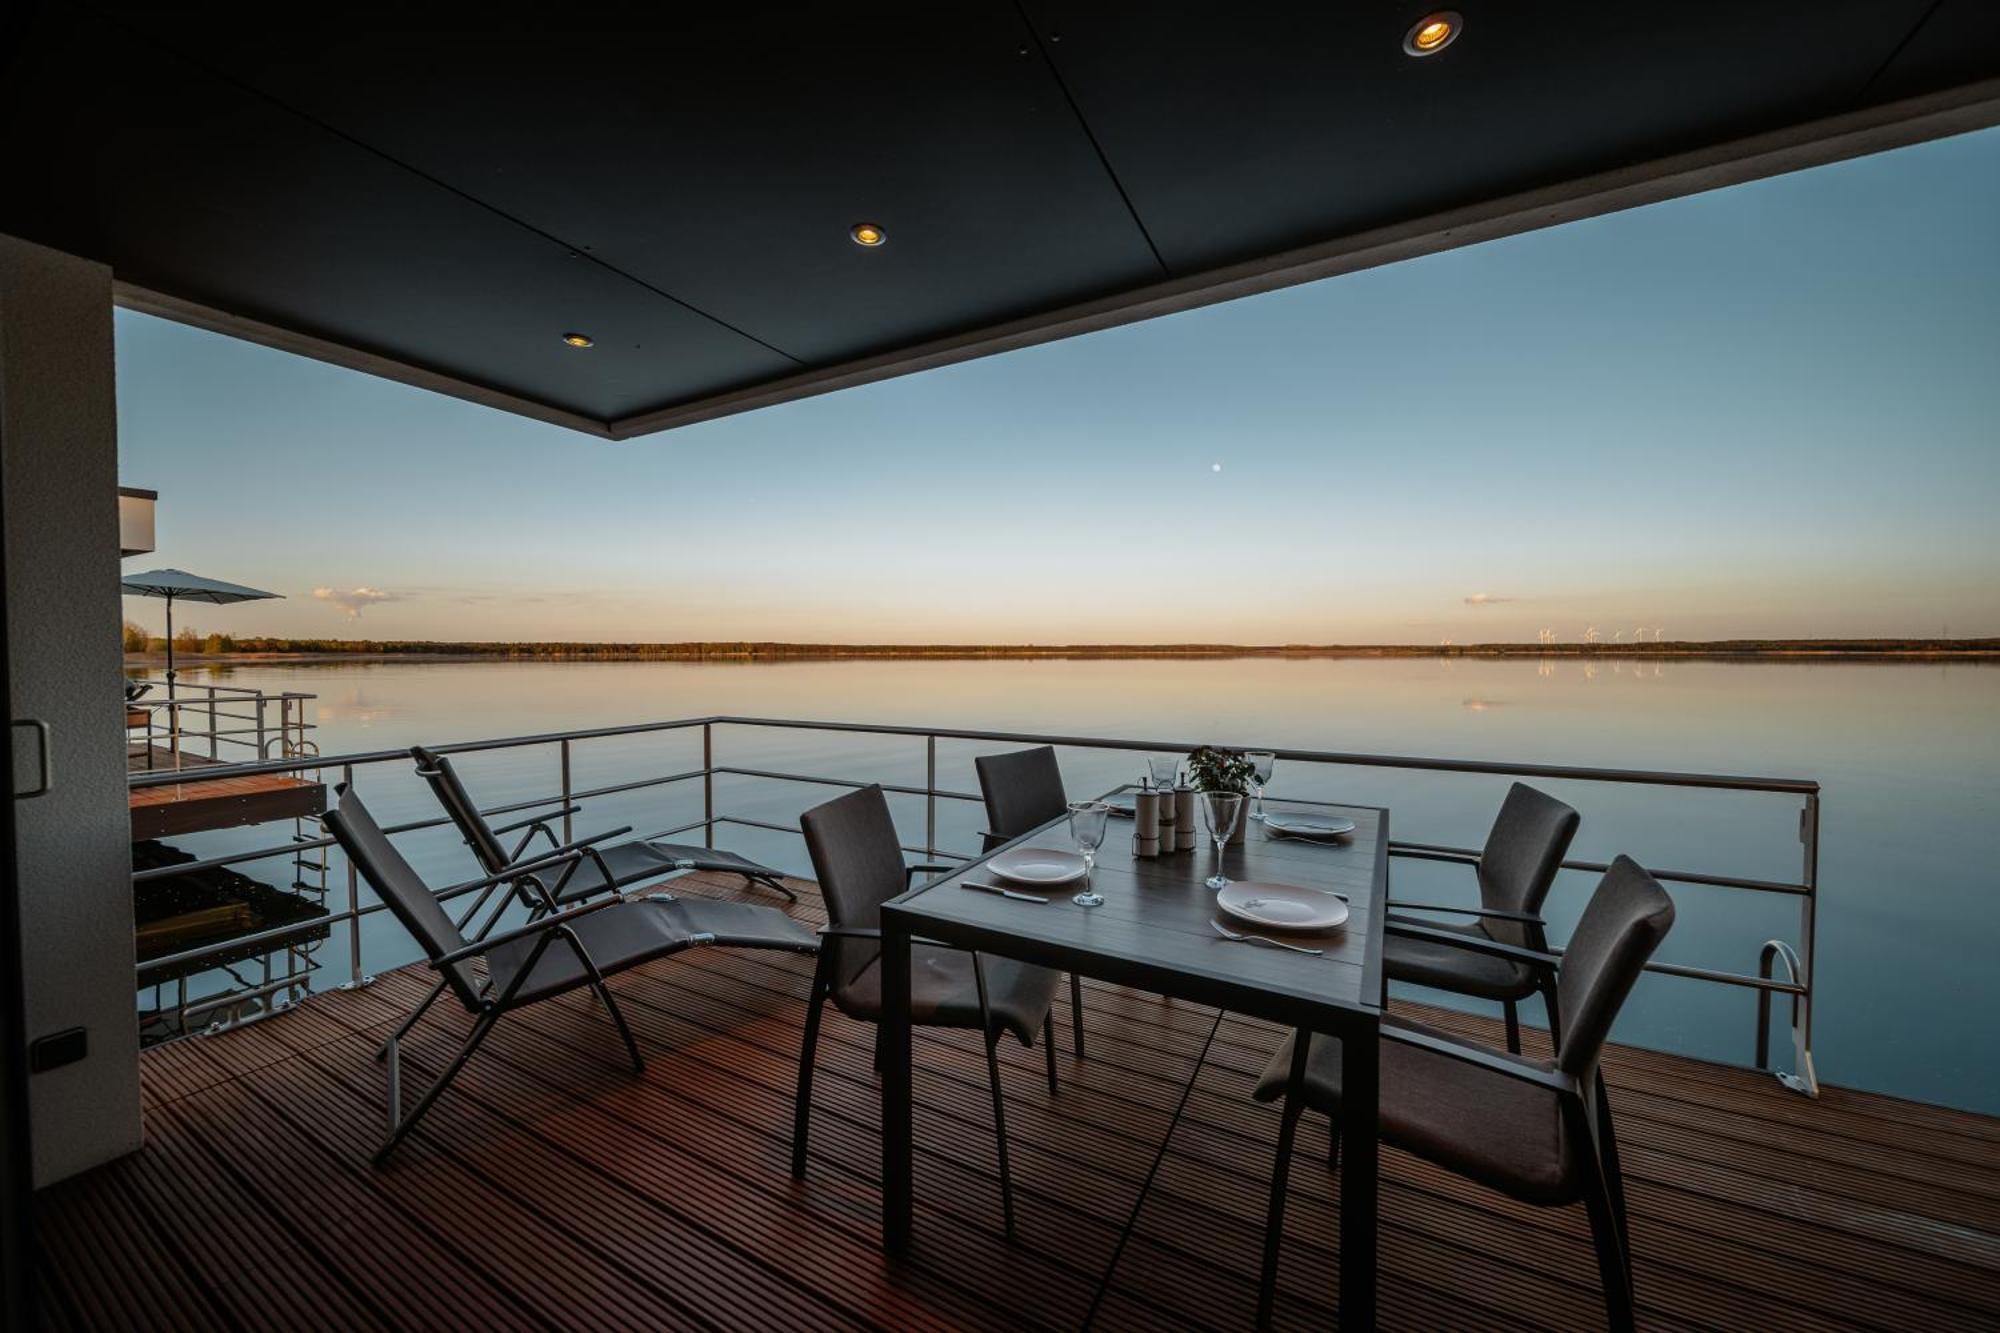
point(1220, 810)
point(1166, 769)
point(1086, 829)
point(1261, 764)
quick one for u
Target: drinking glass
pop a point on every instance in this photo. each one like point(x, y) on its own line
point(1086, 829)
point(1166, 769)
point(1261, 764)
point(1220, 810)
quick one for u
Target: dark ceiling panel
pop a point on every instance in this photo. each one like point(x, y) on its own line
point(1242, 130)
point(192, 187)
point(723, 152)
point(1959, 42)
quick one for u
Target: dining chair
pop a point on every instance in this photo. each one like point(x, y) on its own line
point(1023, 790)
point(1536, 1130)
point(858, 861)
point(1524, 850)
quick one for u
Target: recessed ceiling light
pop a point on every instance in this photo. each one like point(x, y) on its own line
point(1433, 33)
point(577, 339)
point(868, 234)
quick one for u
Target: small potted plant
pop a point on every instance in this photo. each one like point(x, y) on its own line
point(1214, 768)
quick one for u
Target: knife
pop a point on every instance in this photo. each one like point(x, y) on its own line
point(1004, 893)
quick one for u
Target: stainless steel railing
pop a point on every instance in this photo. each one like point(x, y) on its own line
point(1796, 986)
point(198, 714)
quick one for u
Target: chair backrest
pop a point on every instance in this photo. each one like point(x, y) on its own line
point(457, 802)
point(401, 889)
point(858, 861)
point(1023, 790)
point(1524, 850)
point(1628, 915)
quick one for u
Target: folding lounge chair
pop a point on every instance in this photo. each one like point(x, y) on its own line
point(613, 867)
point(564, 950)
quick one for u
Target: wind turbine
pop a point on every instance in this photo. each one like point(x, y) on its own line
point(1590, 635)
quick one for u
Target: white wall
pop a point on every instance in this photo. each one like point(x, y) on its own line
point(59, 428)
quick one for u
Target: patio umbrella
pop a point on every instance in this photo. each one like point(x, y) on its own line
point(178, 583)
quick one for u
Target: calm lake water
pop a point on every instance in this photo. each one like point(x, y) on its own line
point(1908, 756)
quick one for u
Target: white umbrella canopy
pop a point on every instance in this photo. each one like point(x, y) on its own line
point(173, 584)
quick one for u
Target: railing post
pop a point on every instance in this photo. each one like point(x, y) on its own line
point(1808, 932)
point(569, 832)
point(930, 796)
point(354, 974)
point(262, 700)
point(213, 752)
point(708, 784)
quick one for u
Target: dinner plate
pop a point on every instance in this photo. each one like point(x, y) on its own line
point(1282, 906)
point(1037, 865)
point(1309, 826)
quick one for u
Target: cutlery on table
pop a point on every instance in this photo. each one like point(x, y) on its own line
point(1268, 943)
point(1004, 893)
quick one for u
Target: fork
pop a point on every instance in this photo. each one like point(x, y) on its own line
point(1240, 938)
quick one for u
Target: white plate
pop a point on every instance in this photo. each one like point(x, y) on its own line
point(1282, 906)
point(1309, 826)
point(1037, 865)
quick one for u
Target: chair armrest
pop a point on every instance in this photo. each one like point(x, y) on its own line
point(553, 921)
point(1529, 918)
point(850, 932)
point(1472, 943)
point(911, 872)
point(547, 861)
point(542, 818)
point(1497, 1062)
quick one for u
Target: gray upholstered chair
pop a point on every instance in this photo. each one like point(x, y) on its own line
point(613, 867)
point(559, 951)
point(1023, 790)
point(1523, 852)
point(858, 860)
point(1537, 1130)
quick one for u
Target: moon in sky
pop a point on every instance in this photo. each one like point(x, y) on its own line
point(1215, 467)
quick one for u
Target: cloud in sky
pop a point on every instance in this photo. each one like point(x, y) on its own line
point(353, 600)
point(1485, 599)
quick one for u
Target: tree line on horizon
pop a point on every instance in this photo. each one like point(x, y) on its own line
point(191, 641)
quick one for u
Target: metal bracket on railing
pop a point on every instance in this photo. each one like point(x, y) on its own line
point(1804, 1080)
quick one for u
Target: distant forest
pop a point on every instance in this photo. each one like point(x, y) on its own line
point(193, 643)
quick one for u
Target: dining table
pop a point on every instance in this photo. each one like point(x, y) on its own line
point(1157, 932)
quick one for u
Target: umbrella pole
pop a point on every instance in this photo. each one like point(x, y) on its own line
point(173, 709)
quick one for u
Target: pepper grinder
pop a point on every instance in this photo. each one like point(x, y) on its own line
point(1184, 829)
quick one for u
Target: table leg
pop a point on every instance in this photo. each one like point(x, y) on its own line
point(896, 1175)
point(1360, 1055)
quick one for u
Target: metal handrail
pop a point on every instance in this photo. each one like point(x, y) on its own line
point(1798, 985)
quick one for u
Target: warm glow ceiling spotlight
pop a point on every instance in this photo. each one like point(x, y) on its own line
point(868, 234)
point(1433, 33)
point(577, 339)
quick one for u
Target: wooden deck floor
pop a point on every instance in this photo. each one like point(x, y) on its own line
point(553, 1188)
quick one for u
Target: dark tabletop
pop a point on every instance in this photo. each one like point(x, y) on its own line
point(1154, 929)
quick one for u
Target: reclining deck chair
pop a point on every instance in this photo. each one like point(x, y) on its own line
point(562, 950)
point(612, 867)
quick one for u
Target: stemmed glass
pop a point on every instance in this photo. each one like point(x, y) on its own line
point(1166, 769)
point(1086, 829)
point(1219, 810)
point(1261, 764)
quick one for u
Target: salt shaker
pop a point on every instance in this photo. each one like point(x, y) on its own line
point(1146, 824)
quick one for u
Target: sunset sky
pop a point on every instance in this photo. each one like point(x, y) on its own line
point(1771, 411)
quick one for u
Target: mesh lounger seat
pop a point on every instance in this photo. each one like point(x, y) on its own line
point(614, 867)
point(562, 950)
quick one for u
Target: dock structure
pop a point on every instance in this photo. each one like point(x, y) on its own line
point(196, 803)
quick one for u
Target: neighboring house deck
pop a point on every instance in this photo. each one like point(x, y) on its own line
point(552, 1187)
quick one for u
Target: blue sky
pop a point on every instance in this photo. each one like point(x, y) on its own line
point(1767, 411)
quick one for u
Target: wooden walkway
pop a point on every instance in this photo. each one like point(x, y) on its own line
point(552, 1188)
point(178, 808)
